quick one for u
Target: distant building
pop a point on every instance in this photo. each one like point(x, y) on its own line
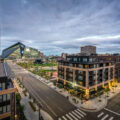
point(64, 55)
point(7, 93)
point(88, 50)
point(38, 61)
point(19, 50)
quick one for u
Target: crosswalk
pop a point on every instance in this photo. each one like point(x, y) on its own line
point(103, 116)
point(73, 115)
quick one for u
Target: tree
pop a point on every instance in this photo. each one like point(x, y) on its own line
point(99, 95)
point(106, 90)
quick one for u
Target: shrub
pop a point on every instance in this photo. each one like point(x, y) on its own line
point(18, 98)
point(32, 106)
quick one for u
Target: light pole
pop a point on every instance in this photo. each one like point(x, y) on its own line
point(40, 117)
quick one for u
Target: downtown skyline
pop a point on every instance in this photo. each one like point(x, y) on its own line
point(61, 26)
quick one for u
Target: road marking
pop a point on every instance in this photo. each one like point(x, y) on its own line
point(59, 119)
point(105, 117)
point(100, 114)
point(69, 117)
point(73, 116)
point(76, 114)
point(112, 111)
point(41, 100)
point(111, 118)
point(64, 117)
point(79, 113)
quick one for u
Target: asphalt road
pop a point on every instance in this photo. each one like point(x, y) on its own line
point(114, 104)
point(58, 106)
point(52, 102)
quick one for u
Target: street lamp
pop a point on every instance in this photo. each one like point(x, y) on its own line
point(40, 117)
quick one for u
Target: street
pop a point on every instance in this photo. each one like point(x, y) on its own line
point(58, 106)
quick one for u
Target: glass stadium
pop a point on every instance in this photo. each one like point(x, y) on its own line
point(19, 50)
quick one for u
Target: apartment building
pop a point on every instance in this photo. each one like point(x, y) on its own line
point(7, 93)
point(88, 50)
point(88, 73)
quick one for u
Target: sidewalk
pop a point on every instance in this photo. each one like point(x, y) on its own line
point(92, 105)
point(29, 113)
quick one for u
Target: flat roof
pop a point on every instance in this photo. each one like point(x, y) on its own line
point(5, 70)
point(2, 70)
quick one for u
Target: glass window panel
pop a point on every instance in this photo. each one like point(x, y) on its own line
point(4, 97)
point(0, 110)
point(84, 59)
point(0, 98)
point(4, 109)
point(8, 108)
point(8, 96)
point(3, 86)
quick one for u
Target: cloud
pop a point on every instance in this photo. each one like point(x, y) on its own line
point(61, 25)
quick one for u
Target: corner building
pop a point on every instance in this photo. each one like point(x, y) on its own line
point(89, 73)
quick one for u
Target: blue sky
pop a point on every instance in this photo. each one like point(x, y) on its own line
point(56, 26)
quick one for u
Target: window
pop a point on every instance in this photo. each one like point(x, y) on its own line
point(0, 110)
point(75, 59)
point(4, 97)
point(0, 98)
point(84, 59)
point(68, 59)
point(80, 78)
point(90, 59)
point(8, 108)
point(79, 59)
point(3, 86)
point(81, 66)
point(80, 72)
point(4, 109)
point(71, 65)
point(8, 96)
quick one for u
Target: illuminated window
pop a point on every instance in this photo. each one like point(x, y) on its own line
point(84, 59)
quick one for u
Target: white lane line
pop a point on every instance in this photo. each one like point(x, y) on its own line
point(69, 117)
point(76, 115)
point(100, 114)
point(112, 111)
point(111, 118)
point(64, 117)
point(105, 117)
point(59, 119)
point(79, 113)
point(73, 116)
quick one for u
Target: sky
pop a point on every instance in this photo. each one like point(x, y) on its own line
point(57, 26)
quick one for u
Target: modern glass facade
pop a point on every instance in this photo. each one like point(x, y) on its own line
point(19, 50)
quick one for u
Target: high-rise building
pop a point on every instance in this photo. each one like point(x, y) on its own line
point(7, 93)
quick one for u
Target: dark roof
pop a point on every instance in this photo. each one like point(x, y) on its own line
point(18, 43)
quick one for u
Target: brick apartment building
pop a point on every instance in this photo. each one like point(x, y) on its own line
point(89, 72)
